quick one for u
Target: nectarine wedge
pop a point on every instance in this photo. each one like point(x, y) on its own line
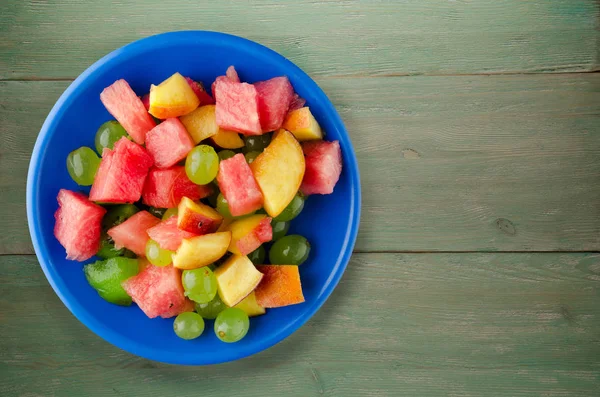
point(201, 251)
point(247, 234)
point(236, 279)
point(172, 98)
point(251, 306)
point(279, 287)
point(303, 125)
point(197, 218)
point(201, 123)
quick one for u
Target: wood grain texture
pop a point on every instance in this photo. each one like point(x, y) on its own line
point(417, 324)
point(464, 163)
point(59, 39)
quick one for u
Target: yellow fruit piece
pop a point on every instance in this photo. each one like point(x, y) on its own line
point(241, 228)
point(236, 279)
point(303, 125)
point(279, 170)
point(201, 123)
point(279, 287)
point(197, 218)
point(172, 98)
point(251, 306)
point(228, 139)
point(201, 251)
point(225, 225)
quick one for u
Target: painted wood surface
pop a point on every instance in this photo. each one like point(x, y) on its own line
point(398, 324)
point(59, 39)
point(461, 163)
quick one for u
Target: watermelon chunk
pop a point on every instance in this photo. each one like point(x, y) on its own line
point(158, 291)
point(146, 101)
point(232, 74)
point(296, 103)
point(274, 98)
point(168, 143)
point(238, 186)
point(132, 234)
point(78, 225)
point(323, 167)
point(125, 106)
point(164, 188)
point(262, 233)
point(198, 88)
point(122, 172)
point(168, 235)
point(237, 107)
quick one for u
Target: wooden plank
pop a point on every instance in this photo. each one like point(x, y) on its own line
point(447, 163)
point(59, 39)
point(416, 324)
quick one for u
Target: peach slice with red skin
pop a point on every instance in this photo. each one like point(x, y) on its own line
point(279, 287)
point(197, 218)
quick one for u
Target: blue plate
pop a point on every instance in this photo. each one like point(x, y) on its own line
point(329, 222)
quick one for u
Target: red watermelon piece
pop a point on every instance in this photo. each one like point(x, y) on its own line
point(77, 225)
point(323, 167)
point(168, 143)
point(198, 88)
point(125, 106)
point(274, 98)
point(122, 172)
point(262, 233)
point(158, 291)
point(168, 235)
point(232, 74)
point(164, 188)
point(237, 107)
point(297, 103)
point(238, 186)
point(146, 101)
point(132, 234)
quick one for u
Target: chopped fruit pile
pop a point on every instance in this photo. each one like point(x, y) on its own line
point(191, 200)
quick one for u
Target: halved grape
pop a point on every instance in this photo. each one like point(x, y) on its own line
point(258, 255)
point(211, 309)
point(256, 143)
point(200, 284)
point(169, 213)
point(202, 164)
point(158, 256)
point(108, 134)
point(232, 324)
point(289, 250)
point(82, 165)
point(251, 156)
point(226, 154)
point(188, 325)
point(292, 210)
point(280, 228)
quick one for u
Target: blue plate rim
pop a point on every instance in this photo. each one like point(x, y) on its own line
point(41, 250)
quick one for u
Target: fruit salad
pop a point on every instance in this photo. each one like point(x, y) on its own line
point(191, 200)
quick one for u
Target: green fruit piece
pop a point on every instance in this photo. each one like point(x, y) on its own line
point(211, 309)
point(169, 213)
point(108, 134)
point(232, 325)
point(158, 256)
point(251, 156)
point(106, 278)
point(292, 210)
point(118, 214)
point(289, 250)
point(82, 165)
point(157, 212)
point(256, 143)
point(202, 164)
point(107, 248)
point(226, 154)
point(258, 255)
point(188, 325)
point(280, 229)
point(200, 285)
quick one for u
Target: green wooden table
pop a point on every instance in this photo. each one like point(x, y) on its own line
point(477, 128)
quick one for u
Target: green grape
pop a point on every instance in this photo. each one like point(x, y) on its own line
point(202, 164)
point(292, 210)
point(82, 165)
point(188, 325)
point(108, 134)
point(200, 284)
point(226, 154)
point(211, 309)
point(251, 156)
point(118, 214)
point(157, 212)
point(258, 255)
point(107, 248)
point(256, 143)
point(232, 324)
point(280, 228)
point(158, 256)
point(289, 250)
point(223, 208)
point(169, 213)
